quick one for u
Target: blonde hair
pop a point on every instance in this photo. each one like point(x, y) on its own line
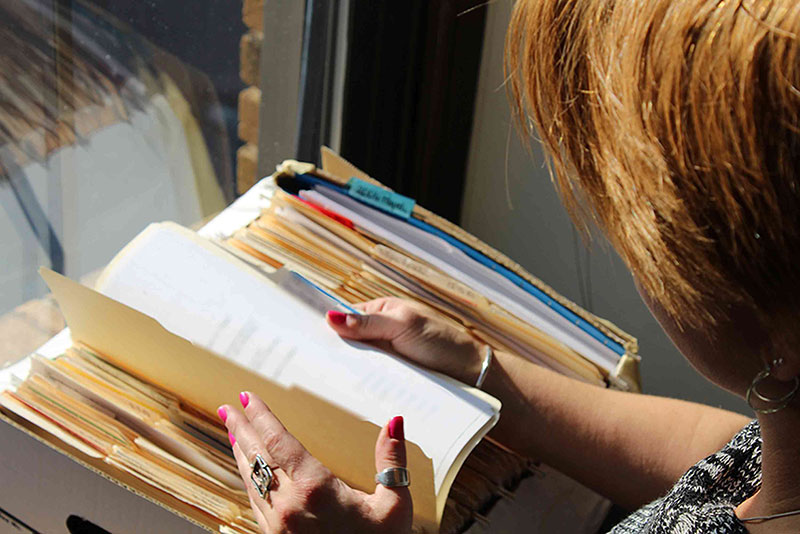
point(674, 125)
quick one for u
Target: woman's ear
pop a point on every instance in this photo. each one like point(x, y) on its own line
point(788, 369)
point(784, 345)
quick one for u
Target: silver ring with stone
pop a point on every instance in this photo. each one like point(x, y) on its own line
point(261, 476)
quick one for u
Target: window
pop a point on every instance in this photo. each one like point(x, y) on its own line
point(112, 115)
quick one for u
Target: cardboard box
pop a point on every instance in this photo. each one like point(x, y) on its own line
point(40, 488)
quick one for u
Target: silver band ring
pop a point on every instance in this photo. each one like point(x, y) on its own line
point(393, 477)
point(261, 476)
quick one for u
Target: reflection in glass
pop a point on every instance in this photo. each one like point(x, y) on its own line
point(100, 133)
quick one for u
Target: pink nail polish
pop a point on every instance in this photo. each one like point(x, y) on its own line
point(244, 398)
point(232, 439)
point(222, 413)
point(396, 428)
point(337, 317)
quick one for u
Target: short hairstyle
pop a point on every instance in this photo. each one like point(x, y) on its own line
point(673, 125)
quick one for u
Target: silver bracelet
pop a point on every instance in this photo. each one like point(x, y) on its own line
point(487, 362)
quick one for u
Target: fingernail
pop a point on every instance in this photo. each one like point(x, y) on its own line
point(244, 398)
point(396, 428)
point(337, 317)
point(222, 413)
point(232, 439)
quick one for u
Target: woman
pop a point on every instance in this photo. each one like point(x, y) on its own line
point(674, 127)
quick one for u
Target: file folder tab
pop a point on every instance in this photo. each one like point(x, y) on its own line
point(381, 198)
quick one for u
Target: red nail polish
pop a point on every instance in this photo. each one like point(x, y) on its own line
point(396, 428)
point(232, 439)
point(222, 413)
point(244, 398)
point(337, 317)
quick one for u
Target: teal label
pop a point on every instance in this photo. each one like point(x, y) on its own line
point(381, 198)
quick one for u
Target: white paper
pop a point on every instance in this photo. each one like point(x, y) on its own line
point(242, 212)
point(213, 300)
point(52, 348)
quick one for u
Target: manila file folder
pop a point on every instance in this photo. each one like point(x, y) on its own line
point(140, 346)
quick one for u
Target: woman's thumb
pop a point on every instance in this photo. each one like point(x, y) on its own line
point(390, 454)
point(373, 326)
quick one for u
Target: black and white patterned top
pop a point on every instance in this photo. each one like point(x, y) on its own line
point(704, 498)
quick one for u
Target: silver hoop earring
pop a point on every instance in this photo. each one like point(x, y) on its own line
point(774, 404)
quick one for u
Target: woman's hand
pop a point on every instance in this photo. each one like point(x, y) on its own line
point(304, 496)
point(414, 332)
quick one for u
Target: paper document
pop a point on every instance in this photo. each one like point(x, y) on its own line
point(198, 292)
